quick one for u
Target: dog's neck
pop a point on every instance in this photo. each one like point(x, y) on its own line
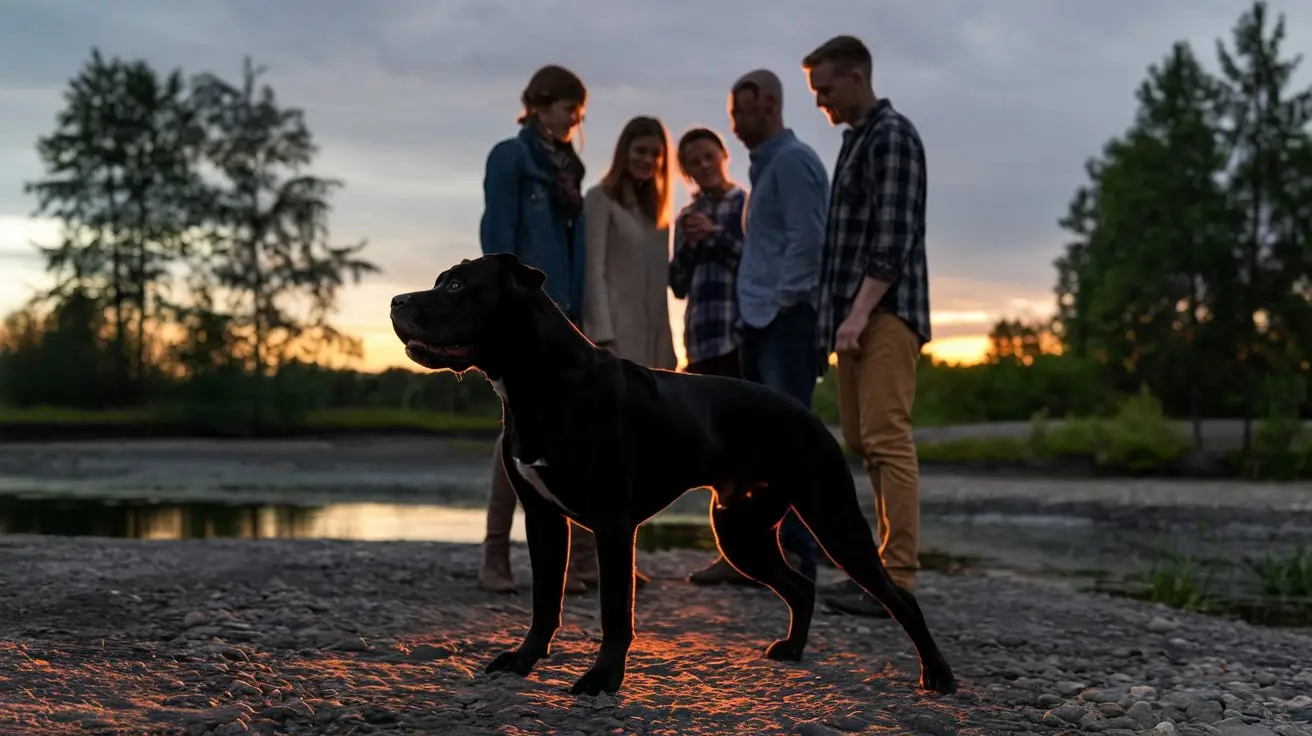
point(549, 355)
point(549, 358)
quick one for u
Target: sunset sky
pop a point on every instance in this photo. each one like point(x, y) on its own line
point(406, 96)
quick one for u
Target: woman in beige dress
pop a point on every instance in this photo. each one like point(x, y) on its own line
point(627, 221)
point(627, 216)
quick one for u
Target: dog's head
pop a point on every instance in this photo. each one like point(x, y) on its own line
point(453, 325)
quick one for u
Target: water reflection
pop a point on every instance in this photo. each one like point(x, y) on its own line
point(144, 519)
point(149, 519)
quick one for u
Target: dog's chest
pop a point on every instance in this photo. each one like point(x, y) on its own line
point(528, 443)
point(533, 473)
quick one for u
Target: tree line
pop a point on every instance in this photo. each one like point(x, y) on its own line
point(1189, 268)
point(195, 266)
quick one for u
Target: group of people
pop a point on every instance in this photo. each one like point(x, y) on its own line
point(775, 281)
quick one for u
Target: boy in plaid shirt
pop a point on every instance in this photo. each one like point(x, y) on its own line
point(708, 242)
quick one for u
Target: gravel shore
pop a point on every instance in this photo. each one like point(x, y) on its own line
point(315, 637)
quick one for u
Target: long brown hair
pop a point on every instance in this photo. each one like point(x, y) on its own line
point(654, 197)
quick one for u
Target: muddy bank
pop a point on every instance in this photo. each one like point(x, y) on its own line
point(430, 469)
point(121, 637)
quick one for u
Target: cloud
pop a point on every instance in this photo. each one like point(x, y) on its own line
point(406, 97)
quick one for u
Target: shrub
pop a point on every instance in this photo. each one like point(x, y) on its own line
point(1138, 438)
point(1141, 437)
point(1282, 447)
point(1284, 576)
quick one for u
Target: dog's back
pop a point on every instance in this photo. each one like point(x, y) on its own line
point(735, 426)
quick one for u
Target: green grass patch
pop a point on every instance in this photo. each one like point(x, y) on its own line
point(60, 415)
point(1275, 590)
point(977, 449)
point(395, 419)
point(1137, 439)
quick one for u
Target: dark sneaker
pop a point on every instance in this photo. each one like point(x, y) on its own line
point(848, 597)
point(721, 571)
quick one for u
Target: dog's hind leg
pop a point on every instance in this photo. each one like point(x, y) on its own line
point(836, 520)
point(747, 531)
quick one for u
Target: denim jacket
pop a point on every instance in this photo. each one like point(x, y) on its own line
point(519, 217)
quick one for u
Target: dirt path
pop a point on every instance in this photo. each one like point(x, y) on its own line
point(307, 637)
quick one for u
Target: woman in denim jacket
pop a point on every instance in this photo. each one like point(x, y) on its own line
point(533, 207)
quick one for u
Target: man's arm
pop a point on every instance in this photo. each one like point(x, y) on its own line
point(893, 175)
point(804, 191)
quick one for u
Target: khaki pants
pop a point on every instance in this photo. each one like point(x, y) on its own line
point(876, 388)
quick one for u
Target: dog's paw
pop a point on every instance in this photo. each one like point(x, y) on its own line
point(785, 651)
point(514, 660)
point(602, 678)
point(938, 680)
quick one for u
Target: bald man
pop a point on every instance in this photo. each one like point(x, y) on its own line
point(778, 275)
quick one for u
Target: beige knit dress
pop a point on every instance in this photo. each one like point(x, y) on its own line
point(624, 291)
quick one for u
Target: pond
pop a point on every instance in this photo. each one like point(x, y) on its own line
point(364, 521)
point(1028, 543)
point(1161, 561)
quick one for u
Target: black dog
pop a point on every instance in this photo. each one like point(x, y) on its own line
point(608, 443)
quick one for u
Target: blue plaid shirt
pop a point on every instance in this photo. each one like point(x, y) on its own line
point(706, 276)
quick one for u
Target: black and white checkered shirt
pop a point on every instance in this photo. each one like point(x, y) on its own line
point(876, 223)
point(706, 276)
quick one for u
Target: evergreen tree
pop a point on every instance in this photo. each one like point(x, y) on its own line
point(119, 176)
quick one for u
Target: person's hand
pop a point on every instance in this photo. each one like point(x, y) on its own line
point(697, 227)
point(848, 339)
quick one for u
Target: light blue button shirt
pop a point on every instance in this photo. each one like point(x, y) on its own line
point(785, 223)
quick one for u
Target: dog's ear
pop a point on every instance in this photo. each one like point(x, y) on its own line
point(526, 278)
point(519, 275)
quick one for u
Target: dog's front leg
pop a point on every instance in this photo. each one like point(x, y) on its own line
point(615, 557)
point(548, 549)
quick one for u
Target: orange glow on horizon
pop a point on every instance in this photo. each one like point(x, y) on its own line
point(382, 350)
point(961, 349)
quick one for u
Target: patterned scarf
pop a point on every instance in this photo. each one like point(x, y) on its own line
point(569, 171)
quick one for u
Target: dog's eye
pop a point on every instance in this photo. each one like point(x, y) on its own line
point(454, 285)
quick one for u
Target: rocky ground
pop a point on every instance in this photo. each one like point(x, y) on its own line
point(312, 637)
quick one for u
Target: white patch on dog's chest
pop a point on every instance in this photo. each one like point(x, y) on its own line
point(530, 473)
point(530, 470)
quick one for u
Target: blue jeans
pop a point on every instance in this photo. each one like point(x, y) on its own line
point(782, 355)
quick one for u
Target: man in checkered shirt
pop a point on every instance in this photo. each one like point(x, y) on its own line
point(874, 297)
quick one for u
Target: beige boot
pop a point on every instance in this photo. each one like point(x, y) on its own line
point(496, 576)
point(582, 572)
point(583, 562)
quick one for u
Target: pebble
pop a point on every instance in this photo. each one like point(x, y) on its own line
point(814, 728)
point(271, 636)
point(1142, 713)
point(1160, 625)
